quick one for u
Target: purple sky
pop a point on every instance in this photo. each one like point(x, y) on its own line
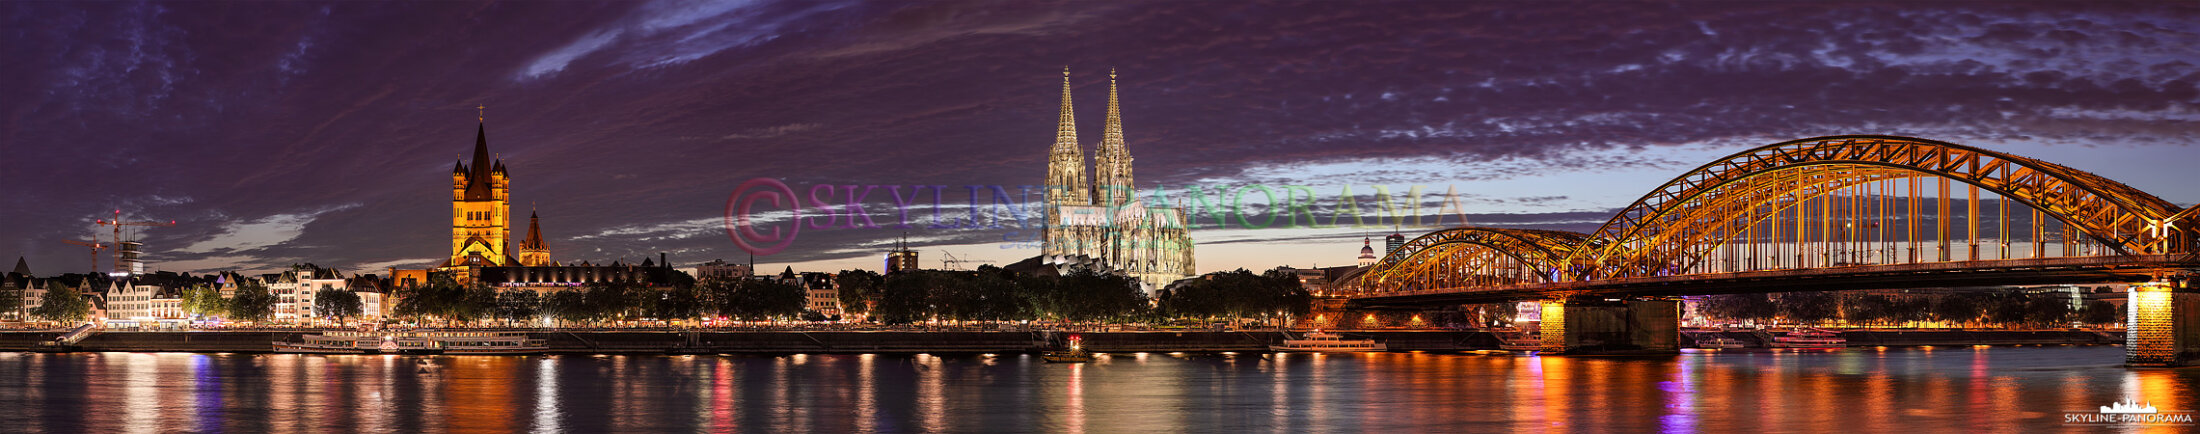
point(296, 132)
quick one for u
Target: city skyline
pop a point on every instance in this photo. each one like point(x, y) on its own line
point(630, 123)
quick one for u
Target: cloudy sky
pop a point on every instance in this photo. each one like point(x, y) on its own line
point(275, 133)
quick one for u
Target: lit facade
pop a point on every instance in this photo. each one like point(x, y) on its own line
point(480, 211)
point(1101, 223)
point(129, 301)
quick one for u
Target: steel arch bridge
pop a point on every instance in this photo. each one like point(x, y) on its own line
point(1819, 213)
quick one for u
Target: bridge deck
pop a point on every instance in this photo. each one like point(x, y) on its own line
point(2042, 271)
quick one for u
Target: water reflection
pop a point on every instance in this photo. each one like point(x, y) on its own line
point(1865, 389)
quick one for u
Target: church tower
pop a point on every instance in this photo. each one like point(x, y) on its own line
point(481, 232)
point(1111, 181)
point(531, 251)
point(1066, 184)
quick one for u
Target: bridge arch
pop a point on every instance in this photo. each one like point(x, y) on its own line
point(1667, 226)
point(1537, 253)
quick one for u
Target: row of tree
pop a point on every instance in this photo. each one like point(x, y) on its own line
point(987, 294)
point(2006, 309)
point(445, 300)
point(995, 294)
point(992, 294)
point(1276, 294)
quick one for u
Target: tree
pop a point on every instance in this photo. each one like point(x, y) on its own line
point(857, 288)
point(336, 303)
point(2099, 313)
point(62, 304)
point(676, 303)
point(1909, 309)
point(252, 302)
point(756, 299)
point(204, 300)
point(1808, 306)
point(568, 305)
point(1088, 296)
point(2009, 310)
point(2047, 310)
point(611, 300)
point(518, 305)
point(1739, 307)
point(1861, 309)
point(444, 298)
point(1956, 308)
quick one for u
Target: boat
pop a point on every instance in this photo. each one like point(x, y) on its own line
point(1517, 342)
point(1075, 354)
point(1716, 341)
point(1810, 338)
point(1317, 341)
point(414, 342)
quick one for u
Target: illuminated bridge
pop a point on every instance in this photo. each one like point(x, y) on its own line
point(1827, 213)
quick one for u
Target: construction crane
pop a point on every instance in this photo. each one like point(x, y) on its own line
point(126, 251)
point(949, 261)
point(96, 247)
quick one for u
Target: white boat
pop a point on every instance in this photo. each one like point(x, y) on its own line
point(414, 342)
point(1716, 341)
point(1517, 342)
point(1317, 341)
point(1810, 338)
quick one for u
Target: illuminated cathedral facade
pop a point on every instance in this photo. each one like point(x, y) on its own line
point(1101, 223)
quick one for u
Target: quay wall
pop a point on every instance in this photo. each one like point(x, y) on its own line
point(985, 341)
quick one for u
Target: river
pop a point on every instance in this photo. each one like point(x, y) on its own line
point(1997, 389)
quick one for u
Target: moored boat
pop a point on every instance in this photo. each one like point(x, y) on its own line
point(1716, 341)
point(1075, 354)
point(1317, 341)
point(1810, 338)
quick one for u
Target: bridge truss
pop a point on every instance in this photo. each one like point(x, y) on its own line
point(1818, 204)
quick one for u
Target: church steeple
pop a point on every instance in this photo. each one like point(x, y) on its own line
point(1065, 182)
point(531, 251)
point(1065, 133)
point(534, 232)
point(480, 204)
point(1112, 181)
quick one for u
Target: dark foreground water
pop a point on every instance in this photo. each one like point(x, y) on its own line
point(2001, 389)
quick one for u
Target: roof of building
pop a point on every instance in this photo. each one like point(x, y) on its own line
point(534, 232)
point(478, 185)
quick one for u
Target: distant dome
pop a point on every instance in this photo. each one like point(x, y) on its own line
point(1367, 252)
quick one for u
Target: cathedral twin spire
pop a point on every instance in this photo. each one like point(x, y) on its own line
point(1066, 161)
point(1112, 182)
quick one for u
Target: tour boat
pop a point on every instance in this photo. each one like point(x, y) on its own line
point(415, 342)
point(1075, 354)
point(1317, 341)
point(1514, 341)
point(1807, 338)
point(1716, 341)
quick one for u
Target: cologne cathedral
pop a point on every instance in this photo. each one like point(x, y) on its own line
point(1101, 223)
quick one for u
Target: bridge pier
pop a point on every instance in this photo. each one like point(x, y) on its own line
point(1611, 327)
point(2163, 326)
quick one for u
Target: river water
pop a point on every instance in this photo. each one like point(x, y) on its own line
point(1997, 389)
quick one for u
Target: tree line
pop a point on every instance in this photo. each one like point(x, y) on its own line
point(443, 300)
point(1082, 295)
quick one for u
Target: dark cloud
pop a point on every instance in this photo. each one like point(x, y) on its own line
point(281, 132)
